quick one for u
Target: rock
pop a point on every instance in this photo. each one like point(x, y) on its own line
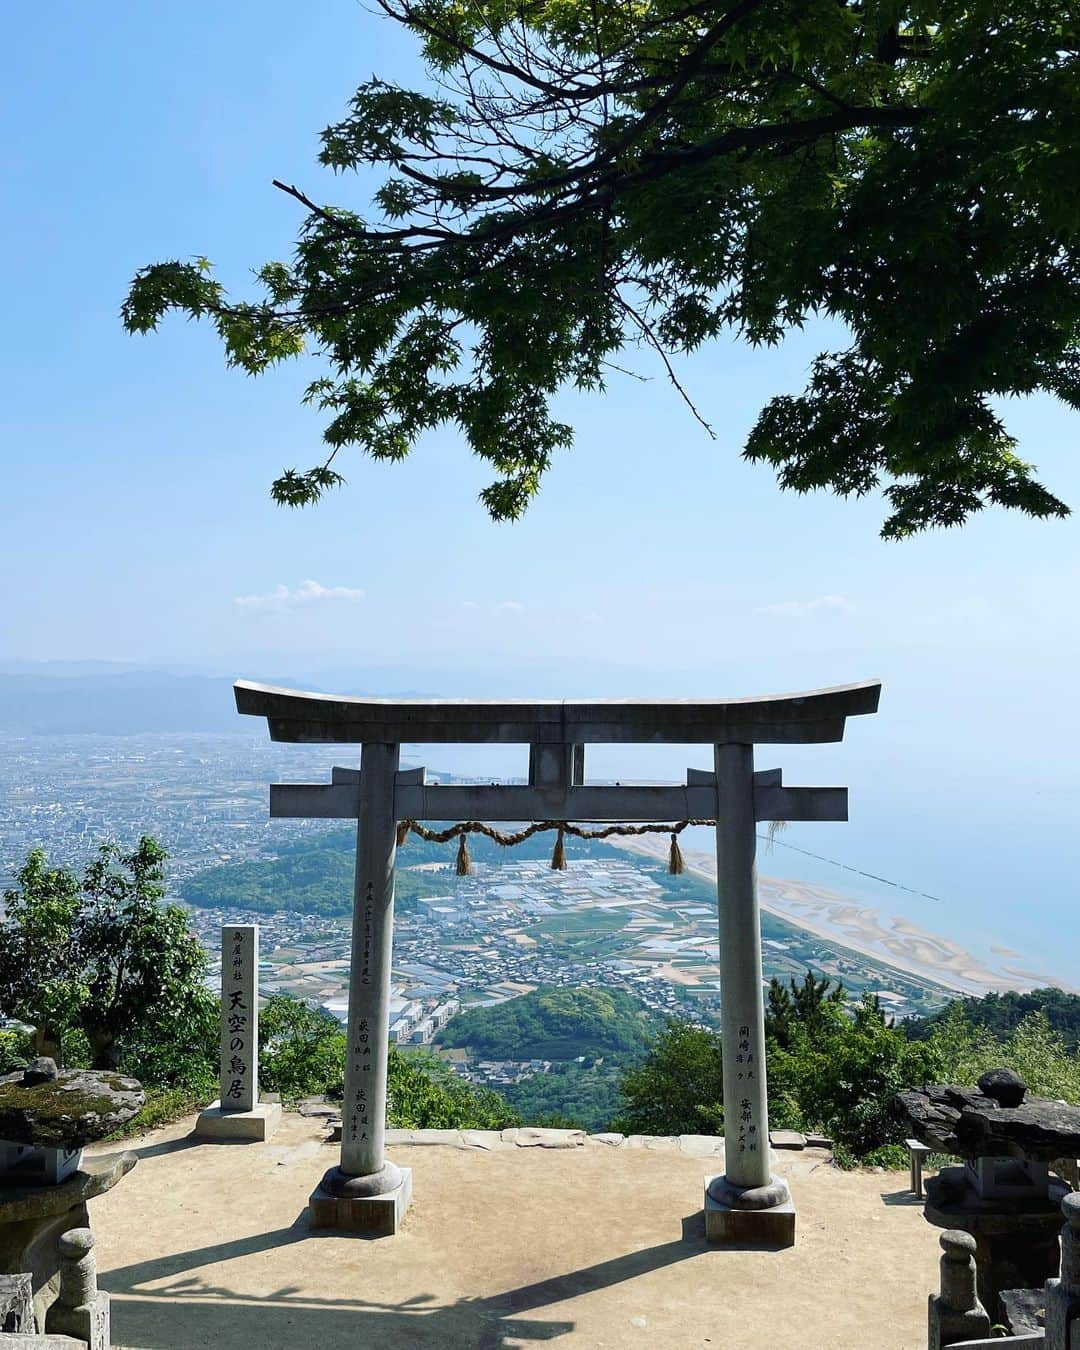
point(489, 1140)
point(40, 1070)
point(533, 1137)
point(787, 1139)
point(17, 1303)
point(313, 1106)
point(970, 1124)
point(67, 1111)
point(818, 1141)
point(700, 1145)
point(1038, 1130)
point(609, 1138)
point(1006, 1087)
point(1024, 1311)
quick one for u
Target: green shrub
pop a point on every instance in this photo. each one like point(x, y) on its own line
point(424, 1094)
point(301, 1050)
point(16, 1047)
point(678, 1088)
point(1033, 1049)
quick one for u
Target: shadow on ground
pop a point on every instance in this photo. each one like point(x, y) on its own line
point(186, 1311)
point(905, 1198)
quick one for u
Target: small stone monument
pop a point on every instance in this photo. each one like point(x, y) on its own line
point(46, 1118)
point(956, 1313)
point(1063, 1294)
point(238, 1114)
point(80, 1310)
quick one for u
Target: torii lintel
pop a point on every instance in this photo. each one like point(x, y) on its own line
point(807, 718)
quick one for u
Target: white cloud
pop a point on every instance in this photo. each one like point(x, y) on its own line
point(804, 609)
point(308, 592)
point(509, 607)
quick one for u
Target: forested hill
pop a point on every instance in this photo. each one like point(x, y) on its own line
point(1001, 1014)
point(557, 1024)
point(314, 875)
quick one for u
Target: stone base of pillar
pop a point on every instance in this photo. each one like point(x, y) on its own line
point(259, 1123)
point(946, 1326)
point(773, 1227)
point(376, 1215)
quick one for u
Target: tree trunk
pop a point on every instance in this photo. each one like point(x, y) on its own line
point(47, 1043)
point(104, 1050)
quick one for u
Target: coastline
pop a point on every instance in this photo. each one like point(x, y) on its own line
point(864, 928)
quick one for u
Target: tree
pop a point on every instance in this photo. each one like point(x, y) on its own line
point(301, 1049)
point(422, 1093)
point(578, 177)
point(679, 1087)
point(140, 960)
point(804, 1008)
point(843, 1071)
point(101, 953)
point(41, 978)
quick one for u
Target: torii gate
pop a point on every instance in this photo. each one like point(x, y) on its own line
point(367, 1191)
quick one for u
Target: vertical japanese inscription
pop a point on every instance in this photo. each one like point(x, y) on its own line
point(239, 1017)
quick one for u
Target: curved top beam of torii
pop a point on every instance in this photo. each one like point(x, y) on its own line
point(780, 719)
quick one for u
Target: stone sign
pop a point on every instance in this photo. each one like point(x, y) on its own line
point(239, 1017)
point(238, 1113)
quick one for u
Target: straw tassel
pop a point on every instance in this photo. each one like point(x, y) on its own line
point(464, 862)
point(403, 828)
point(558, 858)
point(676, 867)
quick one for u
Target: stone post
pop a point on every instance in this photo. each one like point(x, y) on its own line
point(239, 1016)
point(238, 1113)
point(1063, 1295)
point(367, 1192)
point(747, 1204)
point(956, 1313)
point(80, 1310)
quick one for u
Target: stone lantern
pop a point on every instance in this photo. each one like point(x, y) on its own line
point(1004, 1194)
point(47, 1117)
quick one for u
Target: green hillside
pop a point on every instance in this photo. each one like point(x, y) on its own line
point(1001, 1014)
point(314, 875)
point(558, 1024)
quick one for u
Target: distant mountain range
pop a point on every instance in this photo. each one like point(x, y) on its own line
point(118, 699)
point(73, 697)
point(120, 703)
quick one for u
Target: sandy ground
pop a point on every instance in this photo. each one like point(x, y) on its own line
point(866, 929)
point(206, 1245)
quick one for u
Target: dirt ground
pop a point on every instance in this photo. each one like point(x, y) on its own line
point(594, 1248)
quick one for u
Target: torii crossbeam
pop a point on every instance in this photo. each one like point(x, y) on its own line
point(368, 1192)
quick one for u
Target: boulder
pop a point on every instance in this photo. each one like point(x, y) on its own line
point(1005, 1086)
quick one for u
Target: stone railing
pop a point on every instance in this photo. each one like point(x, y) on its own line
point(80, 1315)
point(957, 1318)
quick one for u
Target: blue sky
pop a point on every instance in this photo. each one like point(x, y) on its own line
point(138, 526)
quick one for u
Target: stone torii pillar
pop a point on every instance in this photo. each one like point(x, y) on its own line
point(365, 1190)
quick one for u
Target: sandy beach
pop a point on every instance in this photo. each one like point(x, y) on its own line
point(868, 930)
